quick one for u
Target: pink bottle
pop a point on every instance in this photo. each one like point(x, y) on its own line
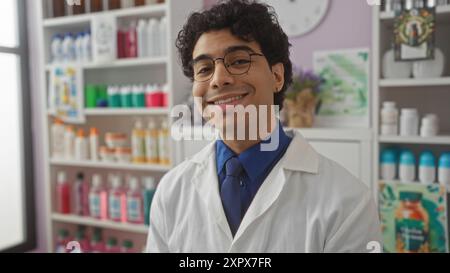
point(63, 194)
point(117, 201)
point(81, 196)
point(131, 41)
point(135, 207)
point(97, 244)
point(98, 199)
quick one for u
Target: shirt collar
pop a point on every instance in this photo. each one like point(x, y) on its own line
point(254, 160)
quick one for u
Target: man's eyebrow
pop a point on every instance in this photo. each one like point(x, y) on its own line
point(226, 51)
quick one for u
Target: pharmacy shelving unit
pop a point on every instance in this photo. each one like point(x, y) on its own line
point(430, 95)
point(124, 71)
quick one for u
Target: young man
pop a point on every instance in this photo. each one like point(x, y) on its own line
point(234, 195)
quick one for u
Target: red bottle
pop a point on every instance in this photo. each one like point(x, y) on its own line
point(63, 194)
point(131, 41)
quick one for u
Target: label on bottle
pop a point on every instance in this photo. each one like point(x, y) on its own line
point(134, 209)
point(410, 235)
point(94, 205)
point(114, 207)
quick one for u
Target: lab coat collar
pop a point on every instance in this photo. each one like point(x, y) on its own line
point(299, 156)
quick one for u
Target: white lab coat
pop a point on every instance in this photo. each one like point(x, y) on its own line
point(308, 203)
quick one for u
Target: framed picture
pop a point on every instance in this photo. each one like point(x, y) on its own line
point(413, 217)
point(344, 96)
point(66, 93)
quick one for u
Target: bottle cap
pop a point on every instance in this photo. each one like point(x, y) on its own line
point(80, 176)
point(409, 112)
point(116, 182)
point(69, 128)
point(388, 157)
point(427, 159)
point(444, 160)
point(138, 124)
point(133, 183)
point(96, 180)
point(389, 104)
point(149, 183)
point(80, 133)
point(407, 158)
point(93, 131)
point(62, 177)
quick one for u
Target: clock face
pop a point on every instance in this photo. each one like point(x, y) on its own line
point(298, 17)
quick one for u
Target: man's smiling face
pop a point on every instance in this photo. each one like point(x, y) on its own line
point(256, 87)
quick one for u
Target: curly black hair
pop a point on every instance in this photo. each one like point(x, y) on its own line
point(247, 20)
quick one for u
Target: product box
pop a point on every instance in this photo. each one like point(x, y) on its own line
point(413, 217)
point(104, 39)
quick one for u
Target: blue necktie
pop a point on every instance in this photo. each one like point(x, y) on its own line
point(231, 193)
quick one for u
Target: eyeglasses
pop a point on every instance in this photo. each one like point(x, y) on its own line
point(236, 63)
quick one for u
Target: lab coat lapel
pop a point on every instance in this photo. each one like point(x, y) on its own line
point(207, 184)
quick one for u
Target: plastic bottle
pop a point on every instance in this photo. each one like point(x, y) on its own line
point(61, 241)
point(112, 246)
point(81, 237)
point(79, 49)
point(389, 119)
point(152, 36)
point(126, 3)
point(116, 200)
point(163, 37)
point(163, 143)
point(126, 96)
point(56, 49)
point(135, 206)
point(69, 142)
point(93, 144)
point(114, 4)
point(114, 98)
point(165, 95)
point(138, 99)
point(138, 143)
point(87, 47)
point(407, 167)
point(388, 165)
point(81, 146)
point(57, 138)
point(97, 244)
point(149, 192)
point(444, 170)
point(131, 44)
point(409, 122)
point(430, 125)
point(62, 194)
point(142, 38)
point(127, 247)
point(81, 196)
point(98, 199)
point(427, 168)
point(151, 143)
point(68, 48)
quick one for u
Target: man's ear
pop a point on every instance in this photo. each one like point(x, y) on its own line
point(278, 76)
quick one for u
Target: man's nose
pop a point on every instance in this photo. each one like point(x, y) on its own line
point(221, 76)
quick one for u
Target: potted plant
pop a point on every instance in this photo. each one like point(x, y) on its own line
point(302, 101)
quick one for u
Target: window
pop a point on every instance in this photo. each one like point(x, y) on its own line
point(16, 181)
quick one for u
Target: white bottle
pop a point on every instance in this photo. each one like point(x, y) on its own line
point(389, 119)
point(68, 48)
point(388, 165)
point(444, 170)
point(93, 144)
point(163, 143)
point(126, 4)
point(87, 47)
point(69, 143)
point(409, 122)
point(152, 36)
point(427, 168)
point(163, 37)
point(57, 139)
point(56, 49)
point(407, 167)
point(142, 38)
point(79, 49)
point(429, 126)
point(138, 143)
point(81, 146)
point(151, 143)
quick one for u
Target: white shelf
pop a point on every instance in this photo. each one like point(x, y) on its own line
point(107, 165)
point(437, 140)
point(84, 19)
point(442, 12)
point(121, 63)
point(415, 82)
point(88, 221)
point(125, 111)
